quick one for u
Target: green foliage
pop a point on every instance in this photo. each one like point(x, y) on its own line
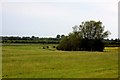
point(87, 37)
point(92, 45)
point(69, 43)
point(93, 30)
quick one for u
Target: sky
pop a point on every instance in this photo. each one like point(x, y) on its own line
point(47, 18)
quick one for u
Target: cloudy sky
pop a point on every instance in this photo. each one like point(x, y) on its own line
point(47, 18)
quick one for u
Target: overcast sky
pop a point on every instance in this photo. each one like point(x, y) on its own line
point(47, 18)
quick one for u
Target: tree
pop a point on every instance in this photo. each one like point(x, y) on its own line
point(58, 36)
point(88, 36)
point(93, 33)
point(93, 30)
point(62, 36)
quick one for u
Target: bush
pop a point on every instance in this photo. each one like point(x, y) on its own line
point(53, 46)
point(43, 47)
point(81, 45)
point(47, 46)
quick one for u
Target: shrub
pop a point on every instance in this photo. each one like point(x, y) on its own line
point(43, 47)
point(47, 46)
point(53, 46)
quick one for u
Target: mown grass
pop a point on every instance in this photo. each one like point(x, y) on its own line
point(32, 61)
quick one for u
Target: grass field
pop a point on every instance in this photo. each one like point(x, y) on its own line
point(32, 61)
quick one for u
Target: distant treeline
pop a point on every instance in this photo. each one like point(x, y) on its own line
point(112, 42)
point(33, 39)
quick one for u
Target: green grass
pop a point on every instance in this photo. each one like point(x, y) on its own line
point(31, 61)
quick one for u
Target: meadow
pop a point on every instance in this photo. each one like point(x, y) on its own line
point(32, 61)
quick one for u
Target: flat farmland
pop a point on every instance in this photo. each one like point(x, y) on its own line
point(32, 61)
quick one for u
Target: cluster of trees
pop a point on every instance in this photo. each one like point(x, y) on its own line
point(86, 37)
point(26, 38)
point(33, 39)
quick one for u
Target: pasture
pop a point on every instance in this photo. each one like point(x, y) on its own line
point(32, 61)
